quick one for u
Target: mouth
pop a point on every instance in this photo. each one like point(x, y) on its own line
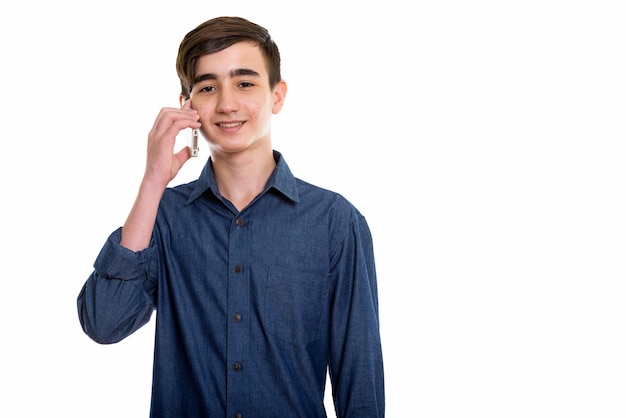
point(229, 125)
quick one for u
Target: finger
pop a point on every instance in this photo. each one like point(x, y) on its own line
point(186, 105)
point(171, 121)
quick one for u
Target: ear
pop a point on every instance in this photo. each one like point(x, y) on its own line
point(280, 91)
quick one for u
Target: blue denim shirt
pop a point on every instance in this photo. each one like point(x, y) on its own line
point(251, 306)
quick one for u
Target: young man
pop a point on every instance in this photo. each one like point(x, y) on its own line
point(260, 281)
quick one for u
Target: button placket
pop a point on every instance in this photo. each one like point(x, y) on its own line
point(238, 306)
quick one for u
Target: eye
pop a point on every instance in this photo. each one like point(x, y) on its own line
point(246, 84)
point(206, 89)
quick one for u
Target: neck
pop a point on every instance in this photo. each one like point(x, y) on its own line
point(240, 178)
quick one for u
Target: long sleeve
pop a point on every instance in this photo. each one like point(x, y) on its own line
point(356, 363)
point(118, 297)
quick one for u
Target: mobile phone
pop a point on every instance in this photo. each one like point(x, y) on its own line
point(194, 142)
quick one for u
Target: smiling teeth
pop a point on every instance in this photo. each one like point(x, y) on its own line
point(230, 125)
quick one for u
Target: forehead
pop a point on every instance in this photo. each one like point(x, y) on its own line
point(242, 55)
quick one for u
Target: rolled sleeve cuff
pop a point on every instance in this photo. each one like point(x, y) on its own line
point(115, 261)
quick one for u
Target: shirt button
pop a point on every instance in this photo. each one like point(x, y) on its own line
point(239, 221)
point(237, 367)
point(238, 415)
point(237, 317)
point(238, 269)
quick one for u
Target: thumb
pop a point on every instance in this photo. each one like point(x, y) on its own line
point(180, 158)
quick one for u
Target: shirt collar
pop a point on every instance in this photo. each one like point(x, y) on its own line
point(281, 180)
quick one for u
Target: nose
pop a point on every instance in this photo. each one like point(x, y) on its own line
point(227, 101)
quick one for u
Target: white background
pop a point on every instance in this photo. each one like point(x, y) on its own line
point(483, 141)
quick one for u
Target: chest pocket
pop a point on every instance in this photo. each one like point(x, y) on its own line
point(295, 305)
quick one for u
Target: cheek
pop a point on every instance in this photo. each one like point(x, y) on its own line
point(258, 110)
point(261, 115)
point(204, 110)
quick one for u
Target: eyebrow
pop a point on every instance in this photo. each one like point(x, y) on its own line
point(234, 73)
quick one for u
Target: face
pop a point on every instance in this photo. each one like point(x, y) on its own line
point(232, 95)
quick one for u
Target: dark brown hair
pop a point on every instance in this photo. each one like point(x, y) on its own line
point(217, 34)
